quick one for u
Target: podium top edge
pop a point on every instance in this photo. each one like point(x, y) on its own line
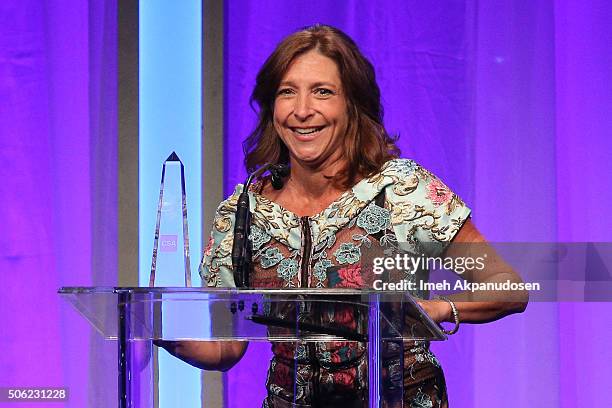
point(293, 291)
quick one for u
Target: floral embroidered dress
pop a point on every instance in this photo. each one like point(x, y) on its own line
point(402, 207)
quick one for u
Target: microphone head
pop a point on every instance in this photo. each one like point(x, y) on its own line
point(277, 182)
point(278, 172)
point(282, 169)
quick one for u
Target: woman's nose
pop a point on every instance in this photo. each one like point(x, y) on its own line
point(303, 107)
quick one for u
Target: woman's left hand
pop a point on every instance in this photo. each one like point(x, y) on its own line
point(438, 310)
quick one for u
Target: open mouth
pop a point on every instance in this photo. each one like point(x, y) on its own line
point(307, 131)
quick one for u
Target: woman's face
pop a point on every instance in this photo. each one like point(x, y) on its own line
point(310, 110)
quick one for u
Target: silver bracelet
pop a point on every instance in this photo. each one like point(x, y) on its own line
point(455, 315)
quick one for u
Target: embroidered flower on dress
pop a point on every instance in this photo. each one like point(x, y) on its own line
point(421, 400)
point(325, 357)
point(350, 277)
point(271, 257)
point(300, 352)
point(208, 249)
point(422, 355)
point(258, 237)
point(348, 253)
point(395, 373)
point(403, 167)
point(320, 269)
point(438, 193)
point(287, 269)
point(374, 219)
point(222, 223)
point(345, 378)
point(401, 212)
point(204, 272)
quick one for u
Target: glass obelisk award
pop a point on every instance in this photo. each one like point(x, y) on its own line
point(171, 245)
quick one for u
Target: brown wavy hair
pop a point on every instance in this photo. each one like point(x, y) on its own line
point(367, 145)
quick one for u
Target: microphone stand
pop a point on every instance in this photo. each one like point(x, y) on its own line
point(241, 248)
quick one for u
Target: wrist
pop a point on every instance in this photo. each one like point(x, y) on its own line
point(453, 316)
point(448, 311)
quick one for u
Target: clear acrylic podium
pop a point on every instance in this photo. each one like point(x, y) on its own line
point(136, 316)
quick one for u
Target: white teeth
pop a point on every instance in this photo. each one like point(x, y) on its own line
point(306, 131)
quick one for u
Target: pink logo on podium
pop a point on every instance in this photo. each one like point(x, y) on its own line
point(167, 243)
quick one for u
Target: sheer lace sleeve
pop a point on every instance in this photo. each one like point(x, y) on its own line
point(216, 265)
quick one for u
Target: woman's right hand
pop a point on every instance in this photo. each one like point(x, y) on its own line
point(206, 355)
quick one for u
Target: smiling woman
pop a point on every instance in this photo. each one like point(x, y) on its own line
point(310, 111)
point(320, 113)
point(318, 78)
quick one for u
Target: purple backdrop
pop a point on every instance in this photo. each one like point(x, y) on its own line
point(58, 149)
point(508, 102)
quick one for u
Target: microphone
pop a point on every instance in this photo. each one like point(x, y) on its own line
point(278, 172)
point(241, 248)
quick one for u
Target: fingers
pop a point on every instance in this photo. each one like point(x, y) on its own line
point(166, 344)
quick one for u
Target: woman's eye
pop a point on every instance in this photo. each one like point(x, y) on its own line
point(323, 92)
point(284, 92)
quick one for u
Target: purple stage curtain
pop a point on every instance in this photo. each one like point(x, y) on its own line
point(58, 189)
point(508, 102)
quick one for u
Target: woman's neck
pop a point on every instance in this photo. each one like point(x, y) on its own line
point(307, 191)
point(312, 183)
